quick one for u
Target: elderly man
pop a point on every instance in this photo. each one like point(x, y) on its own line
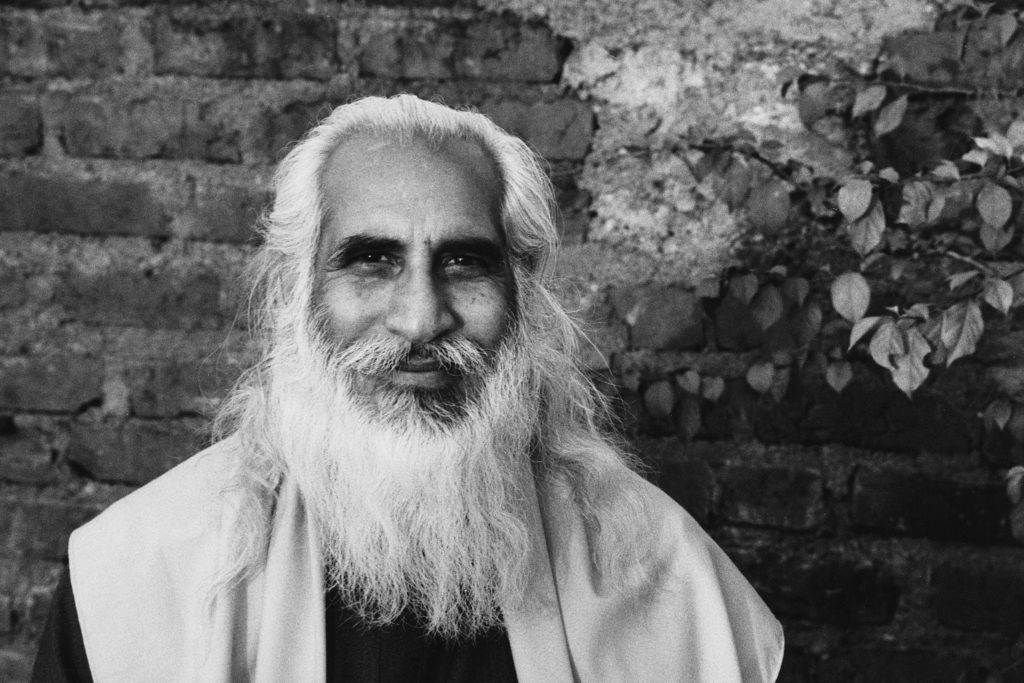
point(414, 482)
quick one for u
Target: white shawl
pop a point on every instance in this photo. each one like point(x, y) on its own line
point(141, 572)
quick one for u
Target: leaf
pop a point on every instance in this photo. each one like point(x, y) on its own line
point(961, 328)
point(1014, 477)
point(689, 382)
point(918, 311)
point(866, 233)
point(760, 376)
point(910, 372)
point(887, 344)
point(997, 414)
point(851, 296)
point(946, 169)
point(814, 103)
point(889, 173)
point(743, 287)
point(862, 327)
point(998, 294)
point(1007, 25)
point(995, 143)
point(712, 388)
point(868, 100)
point(796, 289)
point(958, 279)
point(891, 116)
point(993, 238)
point(807, 324)
point(976, 156)
point(767, 306)
point(838, 374)
point(659, 399)
point(1015, 133)
point(935, 207)
point(994, 204)
point(917, 195)
point(780, 383)
point(768, 206)
point(855, 198)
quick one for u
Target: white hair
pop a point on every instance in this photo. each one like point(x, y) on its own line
point(574, 451)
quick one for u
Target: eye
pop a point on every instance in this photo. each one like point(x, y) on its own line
point(467, 265)
point(367, 262)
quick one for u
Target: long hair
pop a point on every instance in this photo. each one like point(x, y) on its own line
point(575, 450)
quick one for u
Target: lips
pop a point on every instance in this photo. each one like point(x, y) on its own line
point(419, 365)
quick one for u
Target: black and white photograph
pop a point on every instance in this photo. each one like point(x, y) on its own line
point(458, 341)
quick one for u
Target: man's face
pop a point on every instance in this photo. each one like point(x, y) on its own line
point(412, 250)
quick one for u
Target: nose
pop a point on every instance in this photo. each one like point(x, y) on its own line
point(420, 311)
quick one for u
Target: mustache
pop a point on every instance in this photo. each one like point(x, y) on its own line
point(382, 356)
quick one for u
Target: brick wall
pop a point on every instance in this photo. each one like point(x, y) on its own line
point(136, 145)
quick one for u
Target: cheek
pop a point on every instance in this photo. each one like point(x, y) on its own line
point(349, 313)
point(484, 312)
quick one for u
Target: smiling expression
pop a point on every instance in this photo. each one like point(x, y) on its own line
point(411, 248)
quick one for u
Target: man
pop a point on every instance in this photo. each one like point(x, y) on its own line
point(414, 482)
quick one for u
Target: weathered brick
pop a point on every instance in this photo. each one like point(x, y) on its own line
point(25, 455)
point(285, 126)
point(491, 48)
point(690, 483)
point(771, 496)
point(982, 592)
point(58, 383)
point(573, 202)
point(134, 452)
point(922, 505)
point(172, 388)
point(661, 318)
point(278, 45)
point(66, 44)
point(21, 126)
point(39, 202)
point(888, 663)
point(40, 528)
point(184, 297)
point(562, 129)
point(821, 585)
point(167, 125)
point(226, 213)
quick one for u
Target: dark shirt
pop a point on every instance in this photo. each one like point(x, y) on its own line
point(356, 652)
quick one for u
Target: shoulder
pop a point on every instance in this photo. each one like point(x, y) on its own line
point(691, 565)
point(688, 610)
point(181, 505)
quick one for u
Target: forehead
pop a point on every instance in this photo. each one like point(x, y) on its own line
point(410, 190)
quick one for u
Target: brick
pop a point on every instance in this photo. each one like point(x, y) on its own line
point(25, 455)
point(982, 592)
point(40, 528)
point(496, 48)
point(771, 496)
point(16, 662)
point(690, 483)
point(817, 584)
point(66, 44)
point(39, 202)
point(187, 297)
point(562, 129)
point(921, 505)
point(57, 383)
point(661, 318)
point(21, 126)
point(573, 202)
point(285, 126)
point(887, 663)
point(165, 125)
point(279, 45)
point(134, 452)
point(227, 213)
point(174, 388)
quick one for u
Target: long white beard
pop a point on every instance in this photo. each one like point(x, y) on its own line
point(416, 508)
